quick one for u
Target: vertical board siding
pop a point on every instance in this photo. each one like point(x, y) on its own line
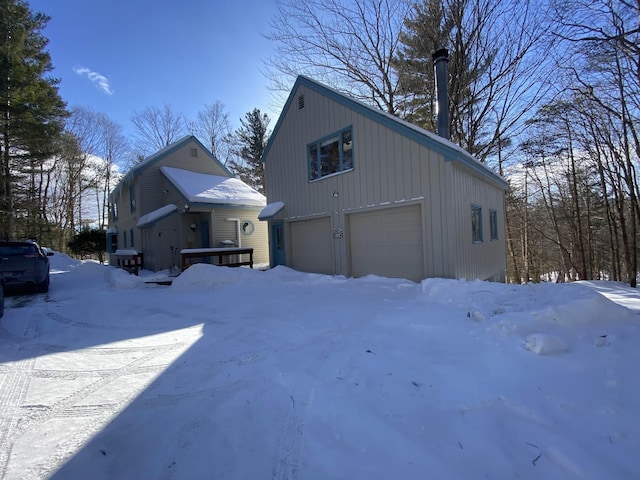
point(389, 168)
point(477, 260)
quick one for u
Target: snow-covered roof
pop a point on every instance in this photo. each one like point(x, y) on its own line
point(159, 155)
point(156, 215)
point(213, 189)
point(270, 210)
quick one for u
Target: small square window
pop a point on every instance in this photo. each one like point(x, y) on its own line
point(194, 152)
point(476, 223)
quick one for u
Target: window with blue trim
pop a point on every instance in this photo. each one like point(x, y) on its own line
point(476, 223)
point(331, 154)
point(493, 224)
point(132, 199)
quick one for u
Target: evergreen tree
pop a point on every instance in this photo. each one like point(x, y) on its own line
point(249, 143)
point(90, 241)
point(32, 112)
point(496, 72)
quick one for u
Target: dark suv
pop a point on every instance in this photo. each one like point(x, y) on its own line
point(24, 264)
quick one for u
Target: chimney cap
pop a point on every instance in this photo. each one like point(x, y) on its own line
point(441, 54)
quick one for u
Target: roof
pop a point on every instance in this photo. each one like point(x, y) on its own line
point(159, 155)
point(213, 189)
point(152, 217)
point(448, 149)
point(270, 211)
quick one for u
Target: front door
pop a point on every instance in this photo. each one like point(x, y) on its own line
point(205, 238)
point(278, 256)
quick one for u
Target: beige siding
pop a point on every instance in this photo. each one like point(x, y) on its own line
point(310, 245)
point(390, 170)
point(161, 243)
point(223, 229)
point(387, 242)
point(152, 182)
point(485, 260)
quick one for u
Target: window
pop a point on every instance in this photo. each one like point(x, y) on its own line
point(124, 239)
point(332, 154)
point(114, 212)
point(493, 224)
point(476, 223)
point(194, 152)
point(131, 235)
point(132, 199)
point(113, 242)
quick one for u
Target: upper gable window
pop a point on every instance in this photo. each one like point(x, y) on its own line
point(194, 151)
point(331, 154)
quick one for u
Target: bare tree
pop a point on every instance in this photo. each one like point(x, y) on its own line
point(113, 146)
point(497, 68)
point(602, 38)
point(346, 44)
point(213, 128)
point(156, 128)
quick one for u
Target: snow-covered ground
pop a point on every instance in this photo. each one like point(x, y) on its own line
point(243, 374)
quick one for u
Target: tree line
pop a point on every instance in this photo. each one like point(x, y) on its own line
point(547, 92)
point(59, 164)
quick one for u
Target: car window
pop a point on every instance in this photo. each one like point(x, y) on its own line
point(16, 250)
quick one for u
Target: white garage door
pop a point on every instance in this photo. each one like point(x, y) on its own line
point(387, 243)
point(311, 246)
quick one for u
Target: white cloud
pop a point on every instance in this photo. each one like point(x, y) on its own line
point(99, 80)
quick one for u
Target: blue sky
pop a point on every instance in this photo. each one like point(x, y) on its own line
point(121, 56)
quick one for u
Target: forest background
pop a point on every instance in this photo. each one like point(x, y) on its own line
point(546, 92)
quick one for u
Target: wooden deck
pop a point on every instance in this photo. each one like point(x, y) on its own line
point(130, 260)
point(227, 257)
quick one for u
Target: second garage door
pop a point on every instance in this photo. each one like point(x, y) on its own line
point(387, 243)
point(311, 247)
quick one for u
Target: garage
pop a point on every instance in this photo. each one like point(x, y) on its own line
point(387, 242)
point(311, 246)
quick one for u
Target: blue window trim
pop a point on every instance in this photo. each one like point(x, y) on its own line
point(132, 199)
point(316, 162)
point(476, 209)
point(493, 224)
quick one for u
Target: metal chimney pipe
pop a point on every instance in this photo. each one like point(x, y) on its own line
point(440, 61)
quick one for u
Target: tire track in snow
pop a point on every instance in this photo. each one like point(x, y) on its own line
point(290, 440)
point(13, 392)
point(18, 418)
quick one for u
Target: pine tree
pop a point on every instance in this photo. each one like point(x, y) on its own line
point(249, 143)
point(32, 112)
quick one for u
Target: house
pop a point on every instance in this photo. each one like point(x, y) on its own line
point(354, 191)
point(182, 197)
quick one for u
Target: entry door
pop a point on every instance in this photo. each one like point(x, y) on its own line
point(205, 239)
point(277, 248)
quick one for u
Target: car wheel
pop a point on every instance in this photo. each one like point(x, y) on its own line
point(44, 286)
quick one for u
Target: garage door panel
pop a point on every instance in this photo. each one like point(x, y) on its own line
point(387, 243)
point(311, 247)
